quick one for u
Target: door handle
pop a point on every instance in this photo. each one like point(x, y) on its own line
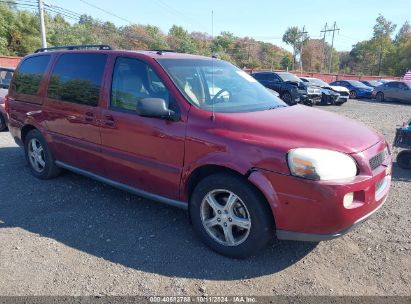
point(108, 120)
point(89, 116)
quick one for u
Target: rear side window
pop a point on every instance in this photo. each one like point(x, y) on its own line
point(30, 73)
point(77, 78)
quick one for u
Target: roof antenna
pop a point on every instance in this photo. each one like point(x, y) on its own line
point(212, 65)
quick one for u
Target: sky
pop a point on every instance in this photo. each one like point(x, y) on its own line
point(261, 19)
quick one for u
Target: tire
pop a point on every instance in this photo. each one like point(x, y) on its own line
point(404, 159)
point(380, 97)
point(249, 209)
point(353, 94)
point(39, 157)
point(339, 104)
point(287, 98)
point(3, 125)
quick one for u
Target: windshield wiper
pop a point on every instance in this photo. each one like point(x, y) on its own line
point(276, 107)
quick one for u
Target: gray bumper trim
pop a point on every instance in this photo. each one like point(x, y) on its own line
point(310, 237)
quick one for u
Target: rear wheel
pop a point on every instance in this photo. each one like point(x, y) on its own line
point(353, 94)
point(230, 216)
point(39, 157)
point(3, 125)
point(380, 97)
point(404, 159)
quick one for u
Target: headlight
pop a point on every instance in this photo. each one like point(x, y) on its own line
point(321, 164)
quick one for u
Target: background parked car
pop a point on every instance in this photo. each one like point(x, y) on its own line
point(385, 80)
point(357, 89)
point(291, 88)
point(371, 83)
point(330, 94)
point(6, 74)
point(393, 91)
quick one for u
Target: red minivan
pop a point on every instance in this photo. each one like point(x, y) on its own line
point(198, 133)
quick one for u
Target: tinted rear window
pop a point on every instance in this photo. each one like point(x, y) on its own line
point(77, 78)
point(30, 73)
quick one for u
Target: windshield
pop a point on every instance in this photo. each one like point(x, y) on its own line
point(288, 77)
point(207, 83)
point(356, 83)
point(318, 82)
point(375, 83)
point(5, 77)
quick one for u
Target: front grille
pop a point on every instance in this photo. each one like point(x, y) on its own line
point(378, 159)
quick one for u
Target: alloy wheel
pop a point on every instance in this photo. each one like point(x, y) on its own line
point(225, 217)
point(36, 155)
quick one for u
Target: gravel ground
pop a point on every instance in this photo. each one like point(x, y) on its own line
point(75, 236)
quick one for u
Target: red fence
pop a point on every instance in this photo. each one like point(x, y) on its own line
point(9, 61)
point(327, 77)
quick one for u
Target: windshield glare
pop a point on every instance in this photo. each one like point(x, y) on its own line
point(212, 82)
point(288, 77)
point(374, 82)
point(318, 82)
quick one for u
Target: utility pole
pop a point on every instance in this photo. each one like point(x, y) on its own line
point(380, 60)
point(42, 26)
point(302, 33)
point(332, 46)
point(325, 30)
point(323, 51)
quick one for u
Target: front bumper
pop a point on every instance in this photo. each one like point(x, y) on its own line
point(313, 210)
point(310, 98)
point(312, 237)
point(362, 94)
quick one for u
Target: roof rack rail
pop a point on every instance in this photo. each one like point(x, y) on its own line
point(160, 52)
point(75, 47)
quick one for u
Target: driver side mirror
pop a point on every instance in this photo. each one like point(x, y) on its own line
point(155, 107)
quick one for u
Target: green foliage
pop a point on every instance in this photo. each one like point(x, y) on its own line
point(20, 35)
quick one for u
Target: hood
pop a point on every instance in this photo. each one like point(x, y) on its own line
point(366, 88)
point(339, 88)
point(300, 126)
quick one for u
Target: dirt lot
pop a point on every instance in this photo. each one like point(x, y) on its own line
point(74, 236)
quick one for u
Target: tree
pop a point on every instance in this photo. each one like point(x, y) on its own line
point(404, 32)
point(180, 40)
point(294, 37)
point(383, 30)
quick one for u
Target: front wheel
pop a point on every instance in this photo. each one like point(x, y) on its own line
point(287, 98)
point(230, 216)
point(404, 159)
point(380, 97)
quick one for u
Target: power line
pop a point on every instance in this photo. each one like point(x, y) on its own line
point(180, 14)
point(107, 12)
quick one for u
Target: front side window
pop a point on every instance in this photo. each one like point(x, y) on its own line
point(214, 84)
point(29, 75)
point(77, 78)
point(134, 80)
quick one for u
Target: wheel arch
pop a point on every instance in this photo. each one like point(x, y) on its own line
point(25, 130)
point(206, 170)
